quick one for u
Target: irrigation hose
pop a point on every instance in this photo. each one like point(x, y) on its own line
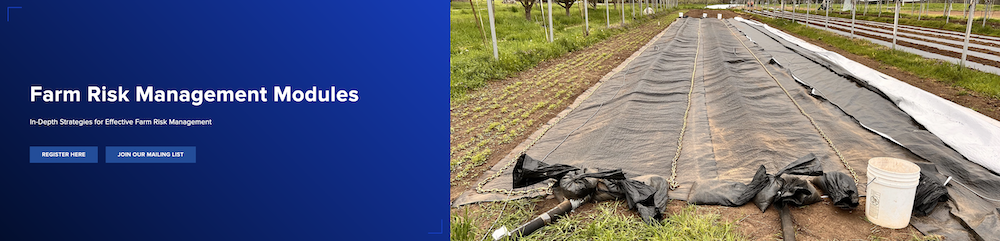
point(801, 110)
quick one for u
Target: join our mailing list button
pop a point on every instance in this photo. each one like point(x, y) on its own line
point(62, 154)
point(150, 154)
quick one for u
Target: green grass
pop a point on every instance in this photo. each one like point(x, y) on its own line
point(609, 221)
point(522, 43)
point(906, 18)
point(980, 82)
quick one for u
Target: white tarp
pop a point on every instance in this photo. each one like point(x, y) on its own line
point(975, 136)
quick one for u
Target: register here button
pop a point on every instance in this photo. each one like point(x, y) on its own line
point(150, 154)
point(62, 154)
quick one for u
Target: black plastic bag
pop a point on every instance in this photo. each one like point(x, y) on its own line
point(608, 190)
point(602, 184)
point(574, 186)
point(776, 186)
point(841, 188)
point(766, 196)
point(760, 181)
point(797, 192)
point(726, 193)
point(642, 198)
point(637, 192)
point(660, 198)
point(578, 184)
point(929, 193)
point(528, 171)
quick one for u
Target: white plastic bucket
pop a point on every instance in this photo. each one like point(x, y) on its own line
point(680, 15)
point(892, 186)
point(720, 16)
point(704, 15)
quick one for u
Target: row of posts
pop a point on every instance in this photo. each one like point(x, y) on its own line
point(550, 34)
point(970, 15)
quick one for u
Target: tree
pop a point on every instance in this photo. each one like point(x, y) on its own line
point(567, 4)
point(527, 4)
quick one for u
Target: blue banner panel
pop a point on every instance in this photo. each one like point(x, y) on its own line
point(150, 154)
point(63, 154)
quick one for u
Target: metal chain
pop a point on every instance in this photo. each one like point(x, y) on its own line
point(680, 139)
point(801, 110)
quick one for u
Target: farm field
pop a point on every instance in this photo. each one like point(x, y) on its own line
point(491, 119)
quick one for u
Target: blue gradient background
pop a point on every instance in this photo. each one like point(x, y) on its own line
point(369, 170)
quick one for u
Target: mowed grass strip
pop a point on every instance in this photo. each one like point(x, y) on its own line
point(607, 221)
point(983, 83)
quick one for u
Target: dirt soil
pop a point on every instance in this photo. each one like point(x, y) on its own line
point(821, 221)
